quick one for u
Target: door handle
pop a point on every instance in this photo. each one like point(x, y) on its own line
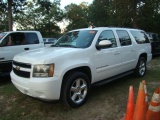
point(26, 48)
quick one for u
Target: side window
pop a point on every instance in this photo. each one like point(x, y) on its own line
point(140, 37)
point(32, 38)
point(124, 37)
point(108, 35)
point(14, 39)
point(8, 41)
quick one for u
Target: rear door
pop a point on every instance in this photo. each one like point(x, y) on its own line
point(128, 52)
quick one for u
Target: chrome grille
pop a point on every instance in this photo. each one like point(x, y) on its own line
point(22, 69)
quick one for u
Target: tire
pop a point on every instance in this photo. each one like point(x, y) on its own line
point(140, 70)
point(75, 89)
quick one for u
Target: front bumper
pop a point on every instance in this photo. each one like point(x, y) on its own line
point(42, 88)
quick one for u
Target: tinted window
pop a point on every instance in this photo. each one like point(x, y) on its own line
point(14, 39)
point(140, 37)
point(108, 35)
point(124, 37)
point(32, 38)
point(19, 39)
point(8, 41)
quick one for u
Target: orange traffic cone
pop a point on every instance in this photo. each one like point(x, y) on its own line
point(139, 112)
point(146, 96)
point(130, 104)
point(153, 112)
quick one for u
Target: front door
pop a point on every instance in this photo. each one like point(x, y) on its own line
point(108, 60)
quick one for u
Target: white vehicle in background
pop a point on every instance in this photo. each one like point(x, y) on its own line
point(49, 40)
point(79, 59)
point(14, 42)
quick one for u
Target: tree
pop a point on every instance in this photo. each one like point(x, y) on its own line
point(11, 5)
point(36, 16)
point(54, 13)
point(98, 12)
point(149, 16)
point(120, 13)
point(77, 16)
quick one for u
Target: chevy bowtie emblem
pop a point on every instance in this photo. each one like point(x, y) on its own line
point(17, 68)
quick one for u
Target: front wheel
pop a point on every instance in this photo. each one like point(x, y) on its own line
point(141, 67)
point(75, 89)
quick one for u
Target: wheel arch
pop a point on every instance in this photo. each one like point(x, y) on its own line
point(83, 69)
point(143, 55)
point(139, 70)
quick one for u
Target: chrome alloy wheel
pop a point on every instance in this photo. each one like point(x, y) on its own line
point(78, 90)
point(142, 68)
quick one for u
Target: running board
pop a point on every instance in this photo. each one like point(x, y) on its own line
point(105, 81)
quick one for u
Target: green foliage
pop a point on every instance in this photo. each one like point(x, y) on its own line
point(44, 15)
point(9, 7)
point(3, 21)
point(120, 13)
point(149, 16)
point(76, 14)
point(37, 16)
point(99, 12)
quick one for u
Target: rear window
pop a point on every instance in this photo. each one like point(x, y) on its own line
point(32, 38)
point(140, 37)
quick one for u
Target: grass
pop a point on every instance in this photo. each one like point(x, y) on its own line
point(107, 102)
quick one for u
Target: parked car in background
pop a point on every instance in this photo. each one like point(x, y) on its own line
point(155, 42)
point(15, 42)
point(49, 40)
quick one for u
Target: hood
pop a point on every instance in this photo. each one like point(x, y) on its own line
point(42, 54)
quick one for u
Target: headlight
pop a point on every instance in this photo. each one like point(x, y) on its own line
point(43, 70)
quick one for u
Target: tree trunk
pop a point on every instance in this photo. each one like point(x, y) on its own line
point(10, 15)
point(134, 13)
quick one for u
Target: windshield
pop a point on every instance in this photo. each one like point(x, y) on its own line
point(2, 35)
point(76, 39)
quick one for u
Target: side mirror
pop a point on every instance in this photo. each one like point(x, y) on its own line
point(104, 44)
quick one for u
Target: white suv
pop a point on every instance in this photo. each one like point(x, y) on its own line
point(79, 59)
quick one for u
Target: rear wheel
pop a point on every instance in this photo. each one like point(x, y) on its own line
point(141, 67)
point(75, 89)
